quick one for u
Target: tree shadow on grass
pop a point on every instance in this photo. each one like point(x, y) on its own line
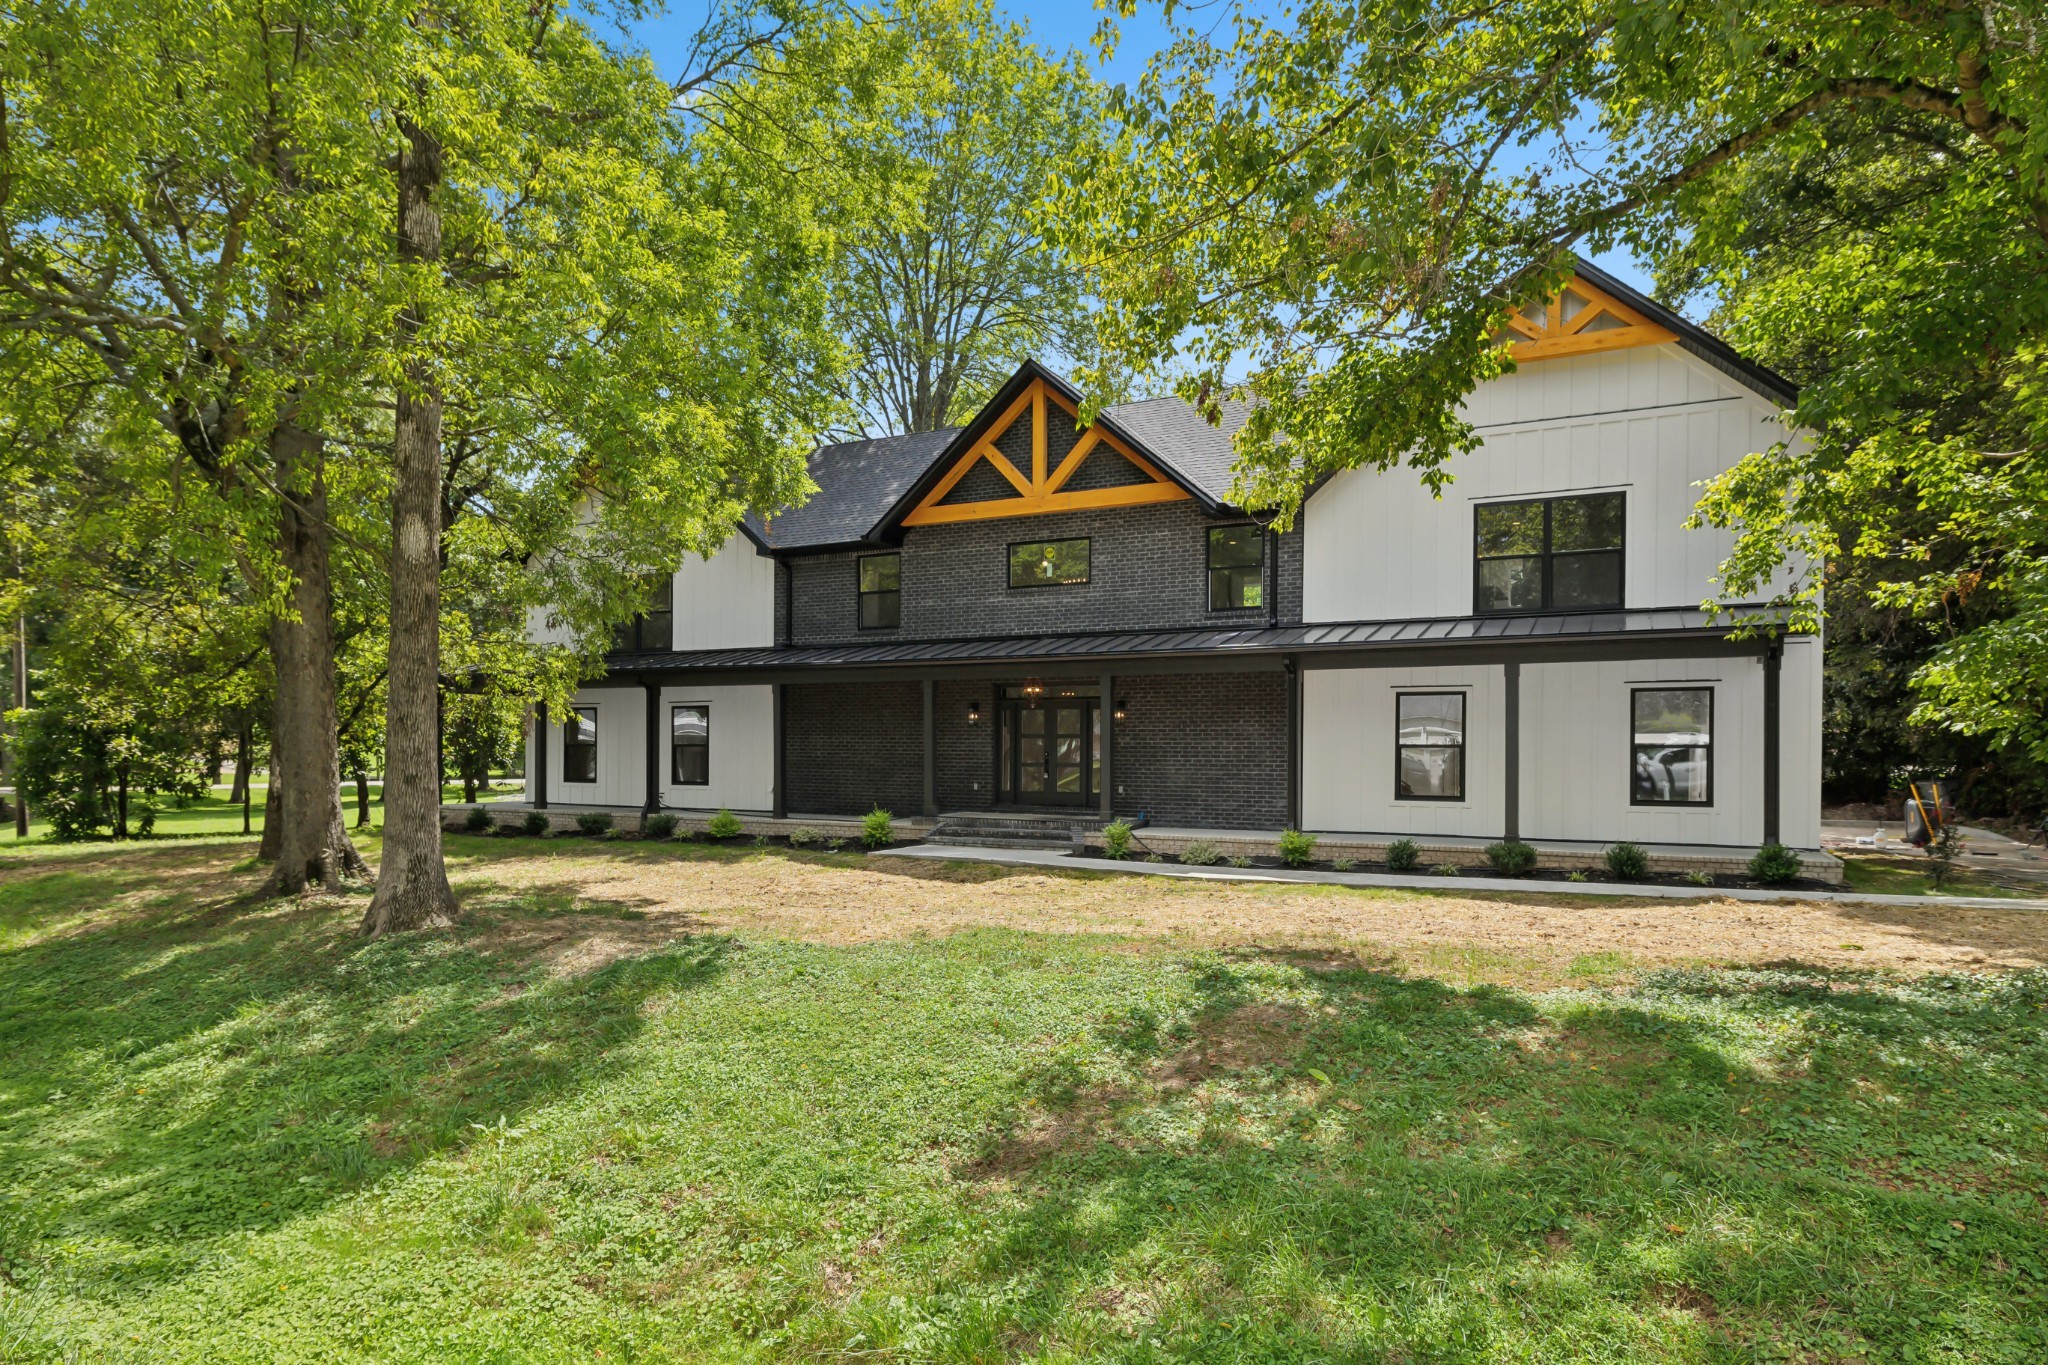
point(1362, 1164)
point(210, 1066)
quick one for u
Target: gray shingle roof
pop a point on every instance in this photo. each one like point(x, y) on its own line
point(1173, 430)
point(857, 482)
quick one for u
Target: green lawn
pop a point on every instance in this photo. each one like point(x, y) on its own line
point(232, 1132)
point(1894, 876)
point(215, 814)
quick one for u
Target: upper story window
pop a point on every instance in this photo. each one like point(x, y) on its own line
point(579, 745)
point(1548, 554)
point(881, 592)
point(1048, 563)
point(1671, 749)
point(689, 746)
point(655, 627)
point(1237, 568)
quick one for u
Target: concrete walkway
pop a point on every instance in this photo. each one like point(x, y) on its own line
point(1045, 858)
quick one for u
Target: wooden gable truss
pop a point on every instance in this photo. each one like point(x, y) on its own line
point(1042, 489)
point(1580, 320)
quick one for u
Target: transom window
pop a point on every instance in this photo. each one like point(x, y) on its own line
point(1671, 753)
point(1048, 563)
point(1548, 554)
point(689, 746)
point(1237, 568)
point(579, 745)
point(655, 627)
point(1429, 746)
point(881, 592)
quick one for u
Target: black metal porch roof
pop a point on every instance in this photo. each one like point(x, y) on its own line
point(1479, 631)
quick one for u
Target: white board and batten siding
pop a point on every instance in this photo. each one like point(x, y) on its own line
point(1576, 754)
point(726, 601)
point(1651, 423)
point(742, 758)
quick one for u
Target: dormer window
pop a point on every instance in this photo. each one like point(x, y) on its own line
point(881, 591)
point(1548, 554)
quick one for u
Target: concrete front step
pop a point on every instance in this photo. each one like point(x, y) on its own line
point(990, 839)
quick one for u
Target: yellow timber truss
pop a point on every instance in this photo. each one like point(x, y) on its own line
point(1580, 320)
point(1043, 490)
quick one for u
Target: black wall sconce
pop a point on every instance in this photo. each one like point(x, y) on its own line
point(974, 713)
point(1122, 708)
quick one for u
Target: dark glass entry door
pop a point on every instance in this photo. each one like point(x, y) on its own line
point(1049, 751)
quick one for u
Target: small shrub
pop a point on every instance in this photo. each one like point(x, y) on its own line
point(1154, 858)
point(1447, 870)
point(1700, 877)
point(724, 825)
point(1201, 853)
point(877, 828)
point(478, 821)
point(1296, 848)
point(1575, 876)
point(1343, 864)
point(1511, 857)
point(595, 823)
point(1403, 855)
point(1942, 851)
point(1627, 861)
point(535, 823)
point(1238, 861)
point(1774, 863)
point(803, 836)
point(1116, 839)
point(834, 845)
point(659, 825)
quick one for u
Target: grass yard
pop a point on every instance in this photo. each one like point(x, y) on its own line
point(1893, 876)
point(214, 814)
point(677, 1103)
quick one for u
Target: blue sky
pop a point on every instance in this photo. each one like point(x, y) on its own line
point(1058, 24)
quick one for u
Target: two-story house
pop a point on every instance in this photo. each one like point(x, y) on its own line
point(1025, 613)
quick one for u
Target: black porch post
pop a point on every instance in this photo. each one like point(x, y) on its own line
point(653, 802)
point(1293, 741)
point(540, 755)
point(1106, 710)
point(1511, 756)
point(1774, 654)
point(931, 749)
point(780, 807)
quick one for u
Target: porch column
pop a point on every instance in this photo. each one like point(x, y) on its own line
point(931, 749)
point(1293, 742)
point(1107, 711)
point(1774, 654)
point(1511, 755)
point(653, 802)
point(779, 804)
point(540, 755)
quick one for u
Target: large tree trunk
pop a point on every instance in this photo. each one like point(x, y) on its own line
point(362, 798)
point(412, 883)
point(239, 792)
point(310, 839)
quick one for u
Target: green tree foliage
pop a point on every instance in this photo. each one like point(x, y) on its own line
point(1349, 198)
point(943, 297)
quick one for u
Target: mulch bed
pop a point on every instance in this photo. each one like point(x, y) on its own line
point(1719, 881)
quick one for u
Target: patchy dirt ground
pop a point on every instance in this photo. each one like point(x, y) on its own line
point(655, 893)
point(582, 905)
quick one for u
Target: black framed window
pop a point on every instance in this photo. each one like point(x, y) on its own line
point(1548, 554)
point(579, 745)
point(881, 592)
point(1048, 563)
point(689, 746)
point(1237, 568)
point(1671, 746)
point(655, 627)
point(1429, 746)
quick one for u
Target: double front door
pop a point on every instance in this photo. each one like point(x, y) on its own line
point(1049, 751)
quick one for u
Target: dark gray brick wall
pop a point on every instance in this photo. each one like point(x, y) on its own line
point(1148, 569)
point(967, 755)
point(1204, 749)
point(850, 747)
